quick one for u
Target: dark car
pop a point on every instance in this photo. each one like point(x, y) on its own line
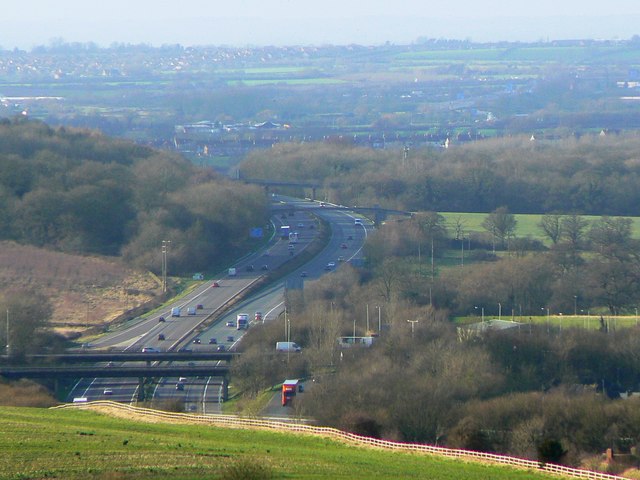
point(303, 273)
point(220, 348)
point(161, 319)
point(344, 245)
point(250, 268)
point(197, 341)
point(161, 336)
point(230, 338)
point(265, 267)
point(199, 306)
point(213, 341)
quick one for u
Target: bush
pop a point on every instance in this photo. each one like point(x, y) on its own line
point(247, 469)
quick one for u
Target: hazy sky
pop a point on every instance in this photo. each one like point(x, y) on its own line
point(27, 23)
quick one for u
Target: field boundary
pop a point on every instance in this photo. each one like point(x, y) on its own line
point(231, 421)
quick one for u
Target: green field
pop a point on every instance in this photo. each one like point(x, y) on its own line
point(527, 225)
point(560, 321)
point(72, 444)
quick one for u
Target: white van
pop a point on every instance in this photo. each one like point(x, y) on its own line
point(191, 311)
point(175, 312)
point(232, 272)
point(287, 347)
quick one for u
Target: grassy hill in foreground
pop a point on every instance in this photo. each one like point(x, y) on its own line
point(72, 444)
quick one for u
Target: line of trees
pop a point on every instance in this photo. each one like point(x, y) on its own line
point(594, 175)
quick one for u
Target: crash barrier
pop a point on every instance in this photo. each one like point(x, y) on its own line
point(231, 421)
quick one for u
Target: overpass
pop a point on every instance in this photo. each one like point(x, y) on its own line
point(377, 213)
point(277, 183)
point(149, 367)
point(129, 357)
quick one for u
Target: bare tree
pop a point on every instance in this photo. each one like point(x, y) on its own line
point(551, 225)
point(501, 224)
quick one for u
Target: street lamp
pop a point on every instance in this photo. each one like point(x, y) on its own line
point(412, 322)
point(575, 305)
point(482, 313)
point(165, 249)
point(499, 310)
point(548, 315)
point(8, 352)
point(379, 318)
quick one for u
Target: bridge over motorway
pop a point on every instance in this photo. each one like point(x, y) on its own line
point(378, 214)
point(152, 365)
point(129, 357)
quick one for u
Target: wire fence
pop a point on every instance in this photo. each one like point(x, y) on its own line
point(232, 421)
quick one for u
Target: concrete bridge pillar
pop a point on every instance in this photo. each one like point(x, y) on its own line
point(141, 383)
point(225, 388)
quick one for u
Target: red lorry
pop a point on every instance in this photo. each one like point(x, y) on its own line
point(289, 389)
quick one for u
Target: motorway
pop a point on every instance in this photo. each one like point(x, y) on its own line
point(209, 324)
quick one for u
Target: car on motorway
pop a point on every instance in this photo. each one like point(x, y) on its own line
point(107, 391)
point(250, 268)
point(300, 225)
point(258, 316)
point(230, 323)
point(179, 386)
point(213, 341)
point(215, 284)
point(330, 266)
point(150, 350)
point(357, 221)
point(161, 336)
point(350, 237)
point(161, 319)
point(197, 341)
point(340, 258)
point(303, 274)
point(199, 306)
point(322, 204)
point(220, 348)
point(230, 338)
point(344, 246)
point(264, 267)
point(191, 311)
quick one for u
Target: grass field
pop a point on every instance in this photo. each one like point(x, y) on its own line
point(559, 321)
point(527, 225)
point(70, 444)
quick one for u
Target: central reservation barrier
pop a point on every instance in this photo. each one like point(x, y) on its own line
point(232, 421)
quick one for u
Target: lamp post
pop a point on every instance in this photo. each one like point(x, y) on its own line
point(8, 348)
point(367, 318)
point(379, 318)
point(548, 315)
point(412, 322)
point(575, 305)
point(499, 311)
point(560, 322)
point(482, 310)
point(165, 249)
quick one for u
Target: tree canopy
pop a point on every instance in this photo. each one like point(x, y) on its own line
point(79, 191)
